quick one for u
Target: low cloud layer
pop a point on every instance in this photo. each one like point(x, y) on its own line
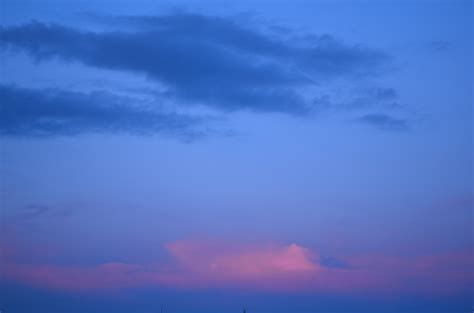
point(195, 265)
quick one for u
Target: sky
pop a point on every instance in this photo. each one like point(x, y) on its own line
point(209, 156)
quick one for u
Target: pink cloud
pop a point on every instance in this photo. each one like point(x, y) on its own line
point(263, 267)
point(247, 261)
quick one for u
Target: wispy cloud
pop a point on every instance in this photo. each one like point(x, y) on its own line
point(34, 212)
point(52, 112)
point(385, 122)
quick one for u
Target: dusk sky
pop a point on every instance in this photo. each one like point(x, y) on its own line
point(198, 156)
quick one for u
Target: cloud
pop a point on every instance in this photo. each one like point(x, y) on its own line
point(382, 98)
point(384, 121)
point(381, 93)
point(244, 264)
point(52, 112)
point(333, 262)
point(35, 212)
point(212, 61)
point(439, 45)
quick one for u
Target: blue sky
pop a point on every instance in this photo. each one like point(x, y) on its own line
point(209, 155)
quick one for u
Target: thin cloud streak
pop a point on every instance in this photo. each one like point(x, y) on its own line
point(385, 122)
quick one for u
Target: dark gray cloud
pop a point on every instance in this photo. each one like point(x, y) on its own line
point(384, 121)
point(34, 212)
point(332, 262)
point(381, 93)
point(212, 61)
point(380, 98)
point(439, 45)
point(51, 112)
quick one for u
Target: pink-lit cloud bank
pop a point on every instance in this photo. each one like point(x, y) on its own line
point(278, 268)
